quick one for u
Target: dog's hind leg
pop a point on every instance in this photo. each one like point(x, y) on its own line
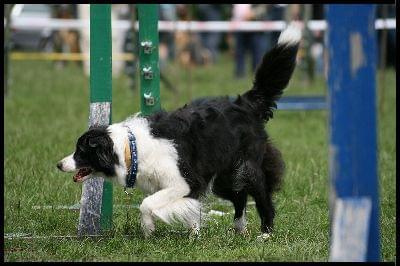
point(251, 176)
point(264, 204)
point(265, 209)
point(273, 168)
point(239, 202)
point(223, 187)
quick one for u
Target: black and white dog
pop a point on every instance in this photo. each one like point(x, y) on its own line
point(176, 155)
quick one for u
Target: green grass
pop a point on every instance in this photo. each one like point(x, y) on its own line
point(47, 109)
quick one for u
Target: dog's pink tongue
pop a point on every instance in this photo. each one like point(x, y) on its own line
point(78, 177)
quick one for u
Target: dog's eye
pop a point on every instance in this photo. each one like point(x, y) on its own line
point(80, 148)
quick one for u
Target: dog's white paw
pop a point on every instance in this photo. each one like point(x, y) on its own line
point(147, 232)
point(194, 231)
point(244, 232)
point(241, 231)
point(147, 225)
point(264, 236)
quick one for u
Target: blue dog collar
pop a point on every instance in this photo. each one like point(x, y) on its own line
point(131, 176)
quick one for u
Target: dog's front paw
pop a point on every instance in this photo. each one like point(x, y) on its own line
point(264, 236)
point(244, 232)
point(148, 226)
point(147, 232)
point(240, 231)
point(194, 231)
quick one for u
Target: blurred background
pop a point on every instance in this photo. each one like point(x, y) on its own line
point(62, 31)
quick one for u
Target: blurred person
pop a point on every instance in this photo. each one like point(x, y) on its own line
point(293, 12)
point(117, 11)
point(274, 12)
point(131, 46)
point(84, 41)
point(210, 39)
point(189, 50)
point(317, 46)
point(387, 11)
point(254, 41)
point(65, 40)
point(167, 12)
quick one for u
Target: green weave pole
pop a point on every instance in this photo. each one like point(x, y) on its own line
point(96, 202)
point(100, 53)
point(148, 56)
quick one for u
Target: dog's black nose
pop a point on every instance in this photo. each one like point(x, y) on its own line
point(59, 165)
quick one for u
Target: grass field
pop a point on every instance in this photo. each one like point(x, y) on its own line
point(47, 109)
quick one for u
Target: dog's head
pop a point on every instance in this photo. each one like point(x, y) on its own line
point(94, 154)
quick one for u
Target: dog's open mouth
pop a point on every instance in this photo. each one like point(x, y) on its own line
point(82, 174)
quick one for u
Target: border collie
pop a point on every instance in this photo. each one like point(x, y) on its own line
point(218, 142)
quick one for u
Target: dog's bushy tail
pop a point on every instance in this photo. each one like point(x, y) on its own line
point(273, 75)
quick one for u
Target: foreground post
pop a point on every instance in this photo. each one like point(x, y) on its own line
point(148, 56)
point(96, 202)
point(353, 158)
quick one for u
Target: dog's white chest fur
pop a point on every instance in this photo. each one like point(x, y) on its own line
point(157, 157)
point(158, 176)
point(148, 183)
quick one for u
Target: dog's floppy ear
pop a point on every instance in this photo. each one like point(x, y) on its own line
point(94, 142)
point(104, 155)
point(102, 147)
point(81, 147)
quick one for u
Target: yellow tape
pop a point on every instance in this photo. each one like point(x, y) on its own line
point(64, 56)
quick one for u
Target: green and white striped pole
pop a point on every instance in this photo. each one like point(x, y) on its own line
point(96, 202)
point(148, 56)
